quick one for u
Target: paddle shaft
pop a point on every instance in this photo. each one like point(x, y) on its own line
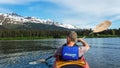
point(49, 57)
point(87, 35)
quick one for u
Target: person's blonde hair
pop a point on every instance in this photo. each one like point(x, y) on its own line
point(72, 35)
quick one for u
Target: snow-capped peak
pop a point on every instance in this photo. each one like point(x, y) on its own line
point(14, 18)
point(67, 26)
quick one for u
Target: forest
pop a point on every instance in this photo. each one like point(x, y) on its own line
point(32, 34)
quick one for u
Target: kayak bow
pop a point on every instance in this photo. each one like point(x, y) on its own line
point(81, 63)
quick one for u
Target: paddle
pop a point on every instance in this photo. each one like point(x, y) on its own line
point(40, 60)
point(99, 28)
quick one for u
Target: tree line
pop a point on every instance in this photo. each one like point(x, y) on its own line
point(55, 33)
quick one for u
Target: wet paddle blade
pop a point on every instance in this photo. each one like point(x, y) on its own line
point(33, 63)
point(38, 61)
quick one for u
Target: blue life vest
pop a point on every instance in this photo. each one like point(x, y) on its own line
point(70, 53)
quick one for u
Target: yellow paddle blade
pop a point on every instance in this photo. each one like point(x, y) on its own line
point(102, 26)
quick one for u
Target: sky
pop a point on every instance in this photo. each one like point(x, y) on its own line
point(82, 13)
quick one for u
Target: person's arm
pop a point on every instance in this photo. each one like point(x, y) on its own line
point(58, 52)
point(85, 44)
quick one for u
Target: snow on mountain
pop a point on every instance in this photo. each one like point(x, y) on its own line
point(67, 26)
point(14, 18)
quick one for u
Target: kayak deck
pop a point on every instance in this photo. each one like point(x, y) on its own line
point(70, 64)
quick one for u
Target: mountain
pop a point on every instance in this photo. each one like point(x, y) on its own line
point(15, 21)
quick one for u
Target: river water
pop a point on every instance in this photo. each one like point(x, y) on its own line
point(104, 52)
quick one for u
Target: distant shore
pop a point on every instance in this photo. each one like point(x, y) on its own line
point(23, 38)
point(35, 38)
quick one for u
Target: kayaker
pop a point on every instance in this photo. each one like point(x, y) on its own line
point(71, 51)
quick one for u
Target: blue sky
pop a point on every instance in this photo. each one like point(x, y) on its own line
point(82, 13)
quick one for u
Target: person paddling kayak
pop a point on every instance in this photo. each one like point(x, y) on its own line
point(70, 51)
point(70, 55)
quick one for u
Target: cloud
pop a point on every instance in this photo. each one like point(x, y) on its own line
point(89, 11)
point(89, 6)
point(17, 1)
point(86, 13)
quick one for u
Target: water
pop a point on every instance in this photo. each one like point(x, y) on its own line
point(104, 52)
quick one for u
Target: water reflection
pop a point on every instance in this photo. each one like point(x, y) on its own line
point(23, 46)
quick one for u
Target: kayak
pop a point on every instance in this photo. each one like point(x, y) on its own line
point(81, 63)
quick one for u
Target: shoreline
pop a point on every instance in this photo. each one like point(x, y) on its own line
point(36, 38)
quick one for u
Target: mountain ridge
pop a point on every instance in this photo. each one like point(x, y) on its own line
point(14, 18)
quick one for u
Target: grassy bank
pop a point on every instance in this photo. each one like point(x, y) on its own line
point(23, 38)
point(107, 36)
point(34, 38)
